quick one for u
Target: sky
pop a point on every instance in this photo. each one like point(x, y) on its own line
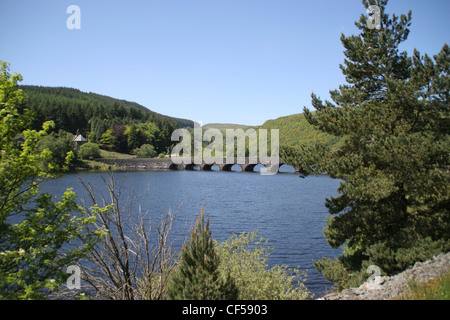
point(212, 61)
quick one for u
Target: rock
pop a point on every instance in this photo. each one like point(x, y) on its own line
point(386, 288)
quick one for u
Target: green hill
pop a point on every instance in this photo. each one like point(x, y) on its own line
point(224, 126)
point(71, 109)
point(93, 114)
point(295, 131)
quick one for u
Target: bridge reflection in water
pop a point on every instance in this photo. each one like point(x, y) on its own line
point(167, 164)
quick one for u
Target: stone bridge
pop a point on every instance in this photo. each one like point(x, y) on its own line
point(167, 164)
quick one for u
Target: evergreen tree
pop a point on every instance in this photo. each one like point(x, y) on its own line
point(197, 277)
point(392, 207)
point(135, 137)
point(121, 138)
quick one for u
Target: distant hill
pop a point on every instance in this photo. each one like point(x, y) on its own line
point(68, 100)
point(224, 126)
point(295, 131)
point(72, 109)
point(93, 114)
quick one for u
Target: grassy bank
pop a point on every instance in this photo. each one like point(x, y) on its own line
point(114, 155)
point(436, 289)
point(96, 165)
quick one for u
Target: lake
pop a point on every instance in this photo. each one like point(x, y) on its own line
point(287, 210)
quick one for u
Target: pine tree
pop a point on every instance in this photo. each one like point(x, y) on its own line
point(392, 207)
point(197, 277)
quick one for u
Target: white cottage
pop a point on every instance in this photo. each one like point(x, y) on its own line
point(79, 139)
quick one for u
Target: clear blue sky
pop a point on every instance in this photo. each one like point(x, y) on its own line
point(228, 61)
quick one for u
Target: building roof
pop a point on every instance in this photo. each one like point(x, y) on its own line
point(79, 137)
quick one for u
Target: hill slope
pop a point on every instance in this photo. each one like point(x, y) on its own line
point(69, 102)
point(224, 126)
point(94, 114)
point(72, 110)
point(295, 131)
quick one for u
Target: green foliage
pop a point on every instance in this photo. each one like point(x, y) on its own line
point(245, 258)
point(393, 117)
point(32, 259)
point(197, 277)
point(145, 151)
point(89, 150)
point(108, 140)
point(70, 110)
point(296, 131)
point(59, 145)
point(136, 137)
point(35, 232)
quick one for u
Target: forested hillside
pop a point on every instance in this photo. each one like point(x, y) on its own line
point(296, 131)
point(94, 114)
point(124, 126)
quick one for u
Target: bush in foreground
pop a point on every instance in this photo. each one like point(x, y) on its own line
point(245, 258)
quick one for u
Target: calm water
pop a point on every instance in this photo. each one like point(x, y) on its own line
point(287, 210)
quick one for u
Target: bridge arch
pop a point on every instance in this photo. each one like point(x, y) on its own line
point(232, 167)
point(250, 167)
point(175, 166)
point(206, 167)
point(286, 168)
point(167, 163)
point(191, 166)
point(227, 167)
point(210, 167)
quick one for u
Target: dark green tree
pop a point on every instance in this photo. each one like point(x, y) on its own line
point(135, 137)
point(393, 114)
point(197, 277)
point(121, 138)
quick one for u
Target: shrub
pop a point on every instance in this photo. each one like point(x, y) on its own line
point(89, 150)
point(60, 145)
point(245, 258)
point(145, 151)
